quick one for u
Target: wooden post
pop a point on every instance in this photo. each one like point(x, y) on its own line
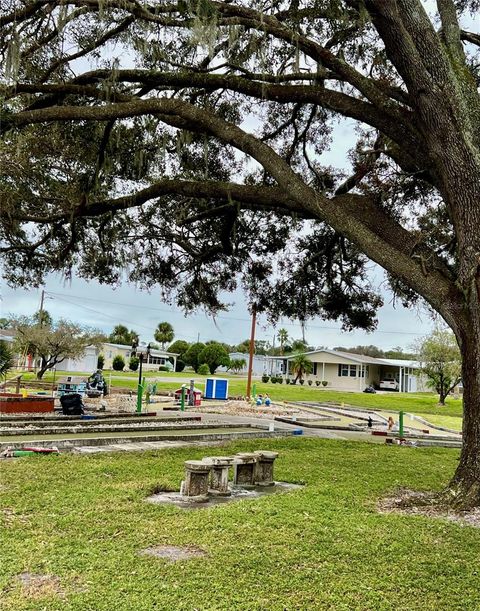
point(251, 351)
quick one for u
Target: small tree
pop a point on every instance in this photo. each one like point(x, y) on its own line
point(6, 358)
point(54, 343)
point(236, 365)
point(215, 356)
point(203, 369)
point(100, 361)
point(179, 347)
point(301, 365)
point(133, 363)
point(441, 363)
point(118, 363)
point(164, 333)
point(192, 354)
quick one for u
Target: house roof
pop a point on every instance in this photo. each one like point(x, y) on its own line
point(357, 358)
point(153, 351)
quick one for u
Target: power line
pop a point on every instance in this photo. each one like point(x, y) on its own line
point(229, 318)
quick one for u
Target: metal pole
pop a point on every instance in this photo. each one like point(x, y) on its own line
point(400, 424)
point(182, 399)
point(251, 351)
point(191, 396)
point(140, 387)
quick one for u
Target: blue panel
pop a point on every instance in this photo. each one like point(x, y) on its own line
point(209, 389)
point(221, 389)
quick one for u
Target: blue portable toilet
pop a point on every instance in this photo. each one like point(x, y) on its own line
point(216, 388)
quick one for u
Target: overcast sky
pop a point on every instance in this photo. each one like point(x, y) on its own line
point(103, 307)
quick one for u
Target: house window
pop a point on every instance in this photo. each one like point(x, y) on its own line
point(345, 371)
point(314, 369)
point(364, 371)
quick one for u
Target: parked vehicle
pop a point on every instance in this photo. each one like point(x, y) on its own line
point(388, 385)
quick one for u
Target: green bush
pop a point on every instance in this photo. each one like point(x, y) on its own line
point(204, 369)
point(179, 366)
point(118, 363)
point(133, 363)
point(273, 379)
point(287, 380)
point(100, 361)
point(324, 382)
point(302, 381)
point(265, 378)
point(293, 381)
point(310, 382)
point(279, 380)
point(317, 382)
point(163, 368)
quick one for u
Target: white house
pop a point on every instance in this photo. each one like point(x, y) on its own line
point(88, 362)
point(346, 371)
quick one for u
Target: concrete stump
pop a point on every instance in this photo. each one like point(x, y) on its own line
point(195, 486)
point(219, 474)
point(244, 469)
point(264, 468)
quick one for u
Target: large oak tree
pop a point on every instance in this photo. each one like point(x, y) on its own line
point(186, 143)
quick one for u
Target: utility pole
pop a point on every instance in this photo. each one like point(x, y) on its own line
point(251, 351)
point(40, 311)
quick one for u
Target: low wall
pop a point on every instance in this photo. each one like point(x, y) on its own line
point(16, 404)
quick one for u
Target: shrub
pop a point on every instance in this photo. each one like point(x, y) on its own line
point(100, 361)
point(287, 380)
point(293, 381)
point(302, 381)
point(310, 382)
point(118, 363)
point(204, 369)
point(317, 382)
point(163, 368)
point(273, 379)
point(179, 366)
point(279, 380)
point(133, 363)
point(324, 382)
point(265, 378)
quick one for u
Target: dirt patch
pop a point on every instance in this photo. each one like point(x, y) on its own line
point(173, 553)
point(39, 586)
point(411, 502)
point(245, 408)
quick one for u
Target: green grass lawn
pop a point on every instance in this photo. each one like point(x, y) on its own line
point(449, 422)
point(84, 520)
point(421, 403)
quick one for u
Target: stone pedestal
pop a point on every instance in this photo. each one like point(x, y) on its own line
point(244, 470)
point(264, 468)
point(219, 474)
point(195, 486)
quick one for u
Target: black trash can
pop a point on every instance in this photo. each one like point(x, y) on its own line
point(72, 404)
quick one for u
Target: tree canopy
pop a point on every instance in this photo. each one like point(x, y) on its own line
point(187, 144)
point(53, 343)
point(121, 335)
point(441, 362)
point(164, 333)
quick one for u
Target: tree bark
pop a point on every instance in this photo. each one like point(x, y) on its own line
point(464, 489)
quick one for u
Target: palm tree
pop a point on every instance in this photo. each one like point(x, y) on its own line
point(164, 333)
point(6, 358)
point(282, 338)
point(301, 365)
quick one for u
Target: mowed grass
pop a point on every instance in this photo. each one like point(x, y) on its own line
point(448, 422)
point(84, 519)
point(417, 403)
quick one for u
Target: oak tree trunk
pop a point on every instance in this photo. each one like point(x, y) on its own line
point(464, 489)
